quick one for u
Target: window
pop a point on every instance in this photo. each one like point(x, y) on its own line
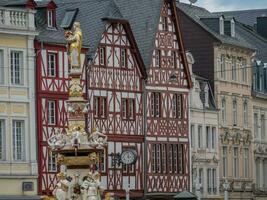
point(214, 181)
point(256, 130)
point(206, 94)
point(181, 158)
point(193, 136)
point(128, 108)
point(51, 112)
point(173, 59)
point(201, 180)
point(100, 107)
point(50, 20)
point(158, 58)
point(254, 81)
point(261, 82)
point(246, 162)
point(213, 139)
point(263, 127)
point(224, 161)
point(209, 180)
point(155, 104)
point(102, 161)
point(170, 156)
point(223, 111)
point(234, 113)
point(2, 139)
point(102, 56)
point(123, 58)
point(222, 67)
point(158, 158)
point(51, 64)
point(18, 140)
point(235, 162)
point(2, 69)
point(221, 25)
point(69, 18)
point(234, 69)
point(52, 162)
point(165, 23)
point(208, 137)
point(232, 28)
point(258, 172)
point(245, 113)
point(244, 70)
point(200, 141)
point(177, 106)
point(16, 67)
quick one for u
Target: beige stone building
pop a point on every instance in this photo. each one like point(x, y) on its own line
point(224, 58)
point(18, 140)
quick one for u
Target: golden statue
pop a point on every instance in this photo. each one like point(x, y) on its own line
point(74, 46)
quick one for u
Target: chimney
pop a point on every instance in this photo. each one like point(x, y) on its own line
point(262, 26)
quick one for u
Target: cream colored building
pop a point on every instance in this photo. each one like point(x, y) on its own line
point(232, 87)
point(18, 139)
point(204, 140)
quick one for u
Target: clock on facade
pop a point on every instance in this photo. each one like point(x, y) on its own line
point(128, 156)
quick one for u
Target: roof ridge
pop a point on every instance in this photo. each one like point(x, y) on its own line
point(246, 10)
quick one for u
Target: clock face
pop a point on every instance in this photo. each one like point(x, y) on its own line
point(128, 157)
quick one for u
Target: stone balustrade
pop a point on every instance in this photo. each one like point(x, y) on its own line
point(22, 19)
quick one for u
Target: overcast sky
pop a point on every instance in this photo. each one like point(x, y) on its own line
point(225, 5)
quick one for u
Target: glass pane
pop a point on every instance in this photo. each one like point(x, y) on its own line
point(68, 18)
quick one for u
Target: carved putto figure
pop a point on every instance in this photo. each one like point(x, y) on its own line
point(97, 139)
point(57, 141)
point(74, 40)
point(90, 187)
point(62, 188)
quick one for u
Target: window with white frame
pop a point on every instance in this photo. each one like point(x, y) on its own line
point(235, 162)
point(102, 56)
point(200, 179)
point(123, 57)
point(155, 104)
point(16, 63)
point(222, 67)
point(18, 130)
point(2, 140)
point(224, 161)
point(200, 140)
point(164, 23)
point(128, 108)
point(100, 107)
point(50, 19)
point(245, 114)
point(2, 69)
point(223, 111)
point(211, 181)
point(51, 112)
point(256, 128)
point(232, 28)
point(263, 127)
point(51, 64)
point(246, 162)
point(177, 106)
point(221, 22)
point(234, 71)
point(234, 113)
point(157, 58)
point(52, 163)
point(244, 70)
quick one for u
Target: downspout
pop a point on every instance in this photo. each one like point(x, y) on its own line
point(145, 135)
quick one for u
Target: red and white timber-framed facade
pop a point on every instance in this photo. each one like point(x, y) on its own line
point(167, 88)
point(115, 85)
point(52, 93)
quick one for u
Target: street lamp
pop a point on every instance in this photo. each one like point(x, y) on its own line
point(226, 187)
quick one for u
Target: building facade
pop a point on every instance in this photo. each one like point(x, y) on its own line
point(204, 140)
point(225, 59)
point(18, 137)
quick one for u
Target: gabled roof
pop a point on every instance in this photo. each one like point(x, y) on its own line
point(196, 13)
point(248, 17)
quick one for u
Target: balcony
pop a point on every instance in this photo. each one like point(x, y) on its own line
point(16, 19)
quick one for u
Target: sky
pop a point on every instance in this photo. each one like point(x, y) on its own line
point(226, 5)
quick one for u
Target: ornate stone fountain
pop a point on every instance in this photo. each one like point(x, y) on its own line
point(77, 151)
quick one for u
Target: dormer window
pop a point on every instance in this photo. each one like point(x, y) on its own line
point(50, 19)
point(206, 92)
point(221, 25)
point(232, 28)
